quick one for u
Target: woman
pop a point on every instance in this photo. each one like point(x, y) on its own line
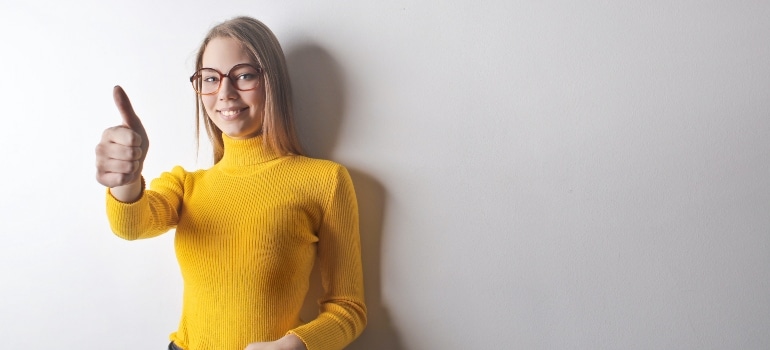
point(249, 229)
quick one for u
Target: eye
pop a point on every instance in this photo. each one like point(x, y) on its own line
point(247, 76)
point(210, 79)
point(244, 72)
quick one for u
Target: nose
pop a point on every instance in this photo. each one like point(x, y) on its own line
point(226, 90)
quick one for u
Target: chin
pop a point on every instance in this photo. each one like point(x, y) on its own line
point(241, 135)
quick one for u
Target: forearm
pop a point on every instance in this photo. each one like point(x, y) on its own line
point(128, 193)
point(338, 324)
point(146, 217)
point(152, 211)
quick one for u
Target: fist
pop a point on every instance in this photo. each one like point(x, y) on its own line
point(121, 152)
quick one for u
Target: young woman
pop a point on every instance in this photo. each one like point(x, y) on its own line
point(248, 229)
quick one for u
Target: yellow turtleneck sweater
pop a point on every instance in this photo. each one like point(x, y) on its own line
point(248, 231)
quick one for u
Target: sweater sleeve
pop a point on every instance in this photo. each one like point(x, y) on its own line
point(155, 212)
point(342, 315)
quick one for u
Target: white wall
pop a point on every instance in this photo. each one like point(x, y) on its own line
point(531, 174)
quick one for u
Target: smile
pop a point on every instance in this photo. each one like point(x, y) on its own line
point(230, 113)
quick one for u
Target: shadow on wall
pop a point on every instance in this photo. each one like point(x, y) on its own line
point(319, 106)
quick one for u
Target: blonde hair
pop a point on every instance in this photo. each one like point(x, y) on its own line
point(259, 42)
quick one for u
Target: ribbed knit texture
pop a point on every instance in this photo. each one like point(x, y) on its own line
point(248, 232)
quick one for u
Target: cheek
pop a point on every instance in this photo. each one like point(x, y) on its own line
point(253, 98)
point(208, 103)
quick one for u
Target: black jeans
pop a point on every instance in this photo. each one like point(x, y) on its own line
point(172, 346)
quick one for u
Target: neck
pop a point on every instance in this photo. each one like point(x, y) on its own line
point(246, 152)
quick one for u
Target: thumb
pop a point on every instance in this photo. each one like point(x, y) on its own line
point(130, 119)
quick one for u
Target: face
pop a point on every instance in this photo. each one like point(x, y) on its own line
point(238, 114)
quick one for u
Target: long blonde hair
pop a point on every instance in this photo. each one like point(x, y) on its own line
point(262, 46)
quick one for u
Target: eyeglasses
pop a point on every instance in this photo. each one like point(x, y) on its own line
point(243, 77)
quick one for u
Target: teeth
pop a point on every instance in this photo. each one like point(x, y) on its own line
point(229, 113)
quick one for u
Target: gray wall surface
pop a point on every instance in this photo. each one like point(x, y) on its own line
point(531, 174)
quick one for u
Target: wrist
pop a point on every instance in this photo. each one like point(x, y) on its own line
point(130, 192)
point(293, 342)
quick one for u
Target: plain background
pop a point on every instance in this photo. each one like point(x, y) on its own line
point(531, 174)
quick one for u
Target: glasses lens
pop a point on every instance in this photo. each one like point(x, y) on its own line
point(244, 77)
point(206, 81)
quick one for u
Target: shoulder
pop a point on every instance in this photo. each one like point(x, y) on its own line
point(322, 168)
point(321, 175)
point(181, 173)
point(178, 175)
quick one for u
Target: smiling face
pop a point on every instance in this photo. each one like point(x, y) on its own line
point(239, 114)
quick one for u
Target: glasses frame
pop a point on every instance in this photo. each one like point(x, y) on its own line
point(259, 70)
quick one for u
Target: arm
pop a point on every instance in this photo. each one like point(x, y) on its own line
point(119, 161)
point(154, 212)
point(342, 315)
point(128, 193)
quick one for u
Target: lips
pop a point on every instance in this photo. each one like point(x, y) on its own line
point(231, 113)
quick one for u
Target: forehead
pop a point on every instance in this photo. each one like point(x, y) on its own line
point(222, 53)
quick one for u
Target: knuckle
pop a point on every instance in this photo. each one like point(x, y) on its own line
point(127, 178)
point(134, 139)
point(104, 179)
point(99, 149)
point(129, 167)
point(135, 153)
point(109, 133)
point(121, 179)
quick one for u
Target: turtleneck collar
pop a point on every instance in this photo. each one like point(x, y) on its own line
point(246, 152)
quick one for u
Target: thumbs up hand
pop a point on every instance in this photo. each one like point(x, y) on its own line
point(121, 152)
